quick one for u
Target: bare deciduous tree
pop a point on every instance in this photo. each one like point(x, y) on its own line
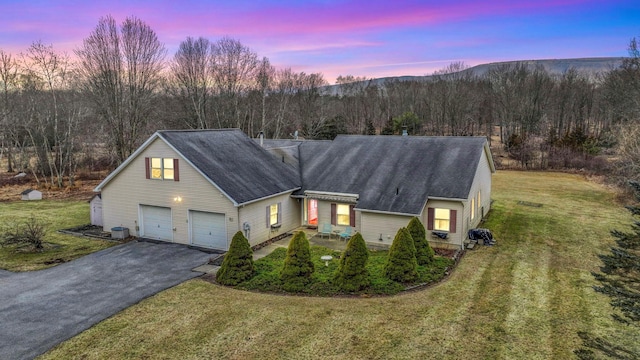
point(8, 93)
point(121, 68)
point(234, 68)
point(191, 81)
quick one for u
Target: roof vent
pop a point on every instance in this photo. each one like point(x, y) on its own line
point(404, 130)
point(261, 136)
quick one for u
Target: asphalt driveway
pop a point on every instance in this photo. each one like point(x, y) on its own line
point(40, 309)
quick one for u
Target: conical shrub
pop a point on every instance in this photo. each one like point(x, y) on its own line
point(401, 264)
point(298, 268)
point(352, 274)
point(424, 252)
point(237, 265)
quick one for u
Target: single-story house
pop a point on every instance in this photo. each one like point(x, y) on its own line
point(199, 187)
point(31, 194)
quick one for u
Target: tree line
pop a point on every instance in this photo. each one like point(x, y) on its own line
point(60, 113)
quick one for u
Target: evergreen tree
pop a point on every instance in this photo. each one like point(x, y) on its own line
point(370, 129)
point(298, 267)
point(237, 265)
point(401, 264)
point(352, 274)
point(388, 127)
point(619, 278)
point(424, 252)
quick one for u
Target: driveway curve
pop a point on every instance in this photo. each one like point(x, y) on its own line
point(40, 309)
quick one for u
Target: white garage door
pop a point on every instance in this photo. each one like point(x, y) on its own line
point(156, 222)
point(208, 230)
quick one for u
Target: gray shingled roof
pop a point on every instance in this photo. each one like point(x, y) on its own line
point(376, 167)
point(234, 162)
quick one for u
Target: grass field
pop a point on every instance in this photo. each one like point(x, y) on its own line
point(524, 298)
point(57, 215)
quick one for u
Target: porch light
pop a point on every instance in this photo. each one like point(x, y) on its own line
point(177, 199)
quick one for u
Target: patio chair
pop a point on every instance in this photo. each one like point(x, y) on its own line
point(346, 234)
point(326, 230)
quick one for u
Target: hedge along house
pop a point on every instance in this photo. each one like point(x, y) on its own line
point(376, 184)
point(200, 188)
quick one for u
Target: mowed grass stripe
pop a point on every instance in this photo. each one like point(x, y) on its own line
point(527, 322)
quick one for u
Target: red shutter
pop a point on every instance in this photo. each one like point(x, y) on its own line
point(333, 214)
point(268, 215)
point(452, 221)
point(147, 168)
point(429, 218)
point(176, 172)
point(352, 216)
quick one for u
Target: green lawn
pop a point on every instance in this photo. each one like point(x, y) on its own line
point(524, 298)
point(57, 215)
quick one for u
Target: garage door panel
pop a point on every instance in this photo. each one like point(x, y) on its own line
point(156, 222)
point(208, 230)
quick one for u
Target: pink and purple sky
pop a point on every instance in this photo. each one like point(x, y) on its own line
point(371, 38)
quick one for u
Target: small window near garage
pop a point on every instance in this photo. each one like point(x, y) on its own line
point(273, 214)
point(162, 168)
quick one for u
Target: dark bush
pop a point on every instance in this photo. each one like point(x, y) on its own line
point(402, 264)
point(352, 274)
point(298, 267)
point(28, 233)
point(237, 265)
point(424, 252)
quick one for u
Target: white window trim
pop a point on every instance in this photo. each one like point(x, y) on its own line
point(437, 219)
point(347, 214)
point(162, 169)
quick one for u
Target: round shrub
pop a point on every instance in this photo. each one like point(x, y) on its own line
point(352, 274)
point(424, 252)
point(237, 265)
point(297, 269)
point(401, 265)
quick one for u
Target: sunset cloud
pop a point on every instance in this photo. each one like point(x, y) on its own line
point(364, 38)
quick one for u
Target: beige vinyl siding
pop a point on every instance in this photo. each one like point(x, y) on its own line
point(455, 239)
point(482, 183)
point(256, 215)
point(122, 196)
point(374, 224)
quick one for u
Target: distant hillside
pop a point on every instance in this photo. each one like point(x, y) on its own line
point(588, 66)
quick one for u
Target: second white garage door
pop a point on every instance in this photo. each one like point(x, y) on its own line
point(208, 230)
point(156, 222)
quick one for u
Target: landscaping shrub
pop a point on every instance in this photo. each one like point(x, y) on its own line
point(237, 265)
point(298, 267)
point(424, 252)
point(402, 264)
point(28, 233)
point(352, 274)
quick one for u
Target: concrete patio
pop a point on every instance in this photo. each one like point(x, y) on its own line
point(331, 242)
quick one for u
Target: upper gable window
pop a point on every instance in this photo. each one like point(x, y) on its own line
point(162, 168)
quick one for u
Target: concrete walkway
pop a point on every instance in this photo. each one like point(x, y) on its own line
point(314, 239)
point(40, 309)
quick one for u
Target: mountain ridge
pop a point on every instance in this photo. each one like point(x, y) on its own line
point(590, 66)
